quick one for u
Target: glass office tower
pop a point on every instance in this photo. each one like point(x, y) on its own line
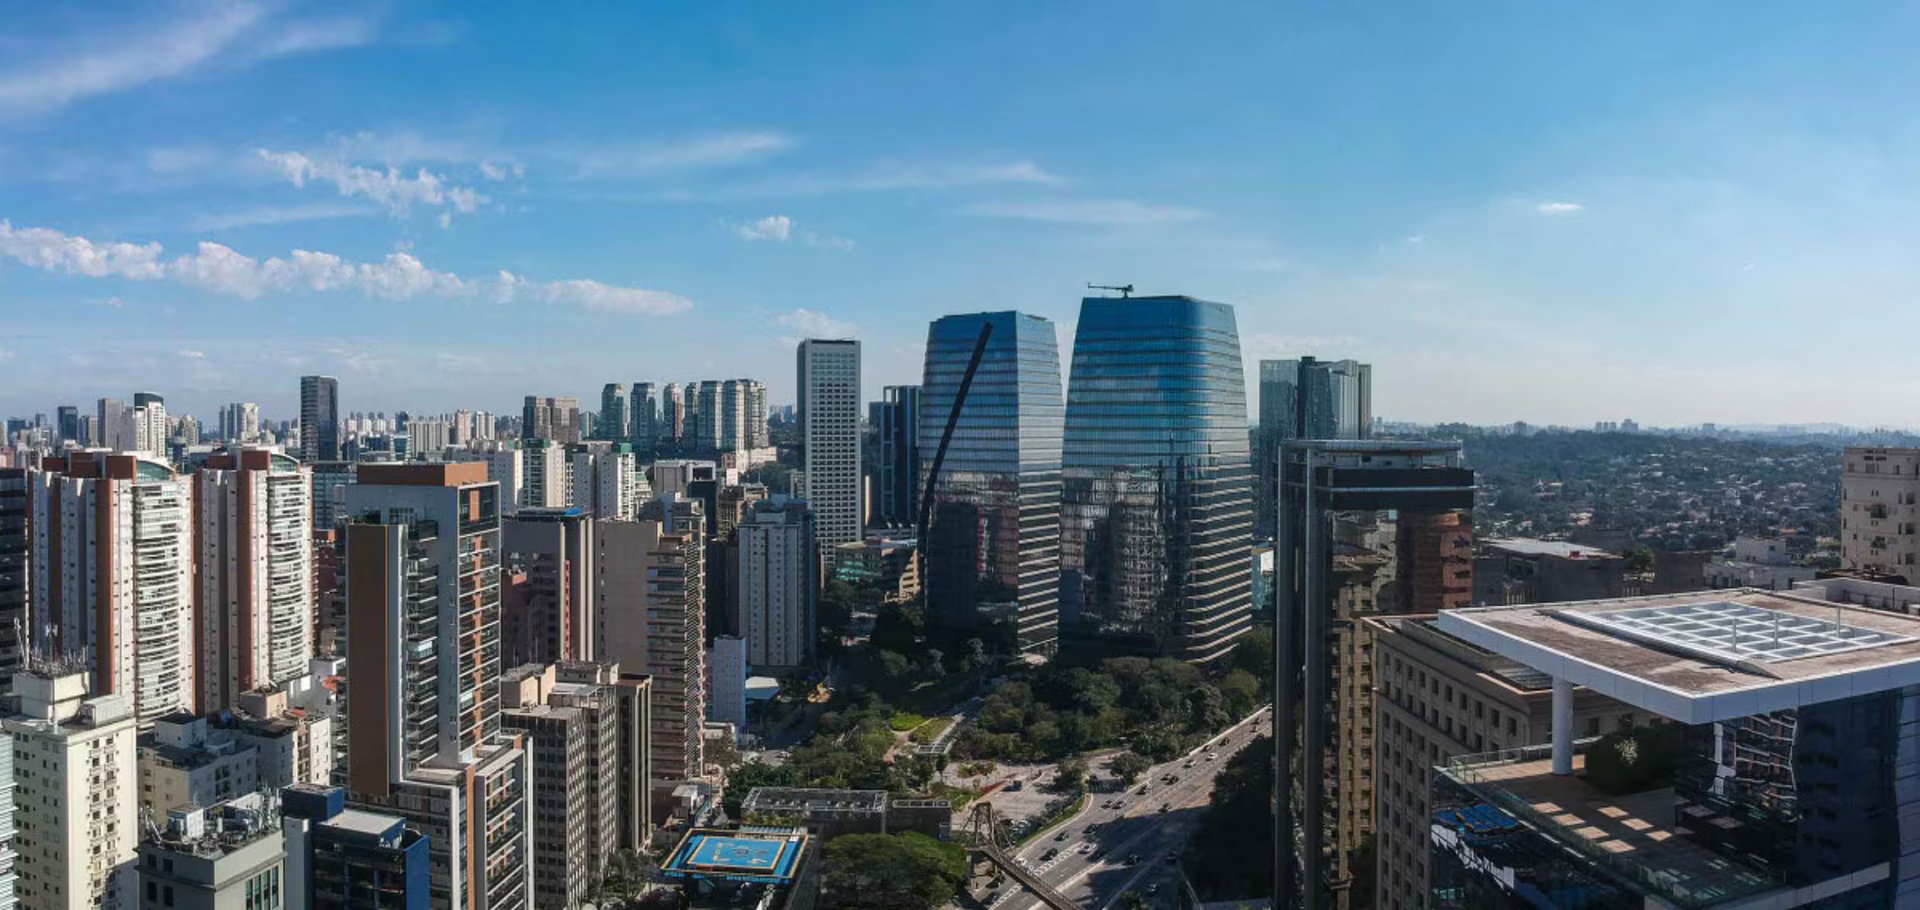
point(992, 542)
point(1157, 488)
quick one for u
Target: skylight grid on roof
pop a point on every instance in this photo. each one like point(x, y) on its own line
point(1734, 631)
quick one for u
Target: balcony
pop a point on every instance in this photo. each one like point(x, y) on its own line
point(1631, 835)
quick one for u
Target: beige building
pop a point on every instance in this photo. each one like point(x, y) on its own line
point(651, 605)
point(76, 809)
point(1437, 697)
point(254, 596)
point(1879, 511)
point(112, 575)
point(570, 715)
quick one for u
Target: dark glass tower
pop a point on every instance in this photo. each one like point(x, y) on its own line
point(992, 544)
point(898, 425)
point(1157, 488)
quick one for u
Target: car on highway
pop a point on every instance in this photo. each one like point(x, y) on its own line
point(1086, 848)
point(1133, 859)
point(1143, 789)
point(1061, 836)
point(1173, 856)
point(1153, 889)
point(1189, 763)
point(1051, 853)
point(1166, 807)
point(1212, 755)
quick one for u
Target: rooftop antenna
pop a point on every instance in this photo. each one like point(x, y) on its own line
point(1126, 290)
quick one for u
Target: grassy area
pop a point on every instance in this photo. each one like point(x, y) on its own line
point(931, 730)
point(902, 721)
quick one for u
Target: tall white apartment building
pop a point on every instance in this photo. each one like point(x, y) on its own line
point(547, 475)
point(605, 482)
point(779, 582)
point(829, 415)
point(1880, 511)
point(76, 812)
point(253, 510)
point(506, 468)
point(113, 575)
point(240, 422)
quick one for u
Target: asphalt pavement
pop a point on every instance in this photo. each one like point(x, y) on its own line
point(1091, 864)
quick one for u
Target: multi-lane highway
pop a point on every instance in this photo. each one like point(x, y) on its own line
point(1123, 840)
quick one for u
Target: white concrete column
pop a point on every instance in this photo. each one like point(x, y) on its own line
point(1562, 729)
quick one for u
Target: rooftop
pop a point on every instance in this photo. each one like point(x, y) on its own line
point(768, 798)
point(1705, 656)
point(764, 855)
point(359, 822)
point(1633, 835)
point(1527, 546)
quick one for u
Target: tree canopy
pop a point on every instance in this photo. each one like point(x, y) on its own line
point(908, 871)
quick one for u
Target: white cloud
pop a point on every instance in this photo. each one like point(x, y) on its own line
point(389, 187)
point(802, 323)
point(220, 269)
point(155, 51)
point(319, 211)
point(1558, 208)
point(648, 159)
point(1107, 212)
point(776, 228)
point(192, 354)
point(894, 178)
point(829, 241)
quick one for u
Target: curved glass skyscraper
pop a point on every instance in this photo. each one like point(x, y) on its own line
point(1157, 488)
point(992, 542)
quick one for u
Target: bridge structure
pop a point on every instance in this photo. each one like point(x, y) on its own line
point(987, 839)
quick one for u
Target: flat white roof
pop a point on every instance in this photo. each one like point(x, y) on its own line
point(1705, 656)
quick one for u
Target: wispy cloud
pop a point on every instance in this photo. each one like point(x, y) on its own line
point(801, 323)
point(1108, 212)
point(891, 178)
point(1558, 208)
point(780, 229)
point(829, 241)
point(629, 160)
point(219, 269)
point(776, 228)
point(115, 61)
point(317, 211)
point(396, 191)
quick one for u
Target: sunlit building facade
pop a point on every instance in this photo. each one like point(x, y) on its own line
point(1157, 487)
point(992, 541)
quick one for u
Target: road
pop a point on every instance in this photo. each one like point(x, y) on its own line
point(1098, 877)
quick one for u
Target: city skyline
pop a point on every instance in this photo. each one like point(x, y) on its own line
point(1370, 187)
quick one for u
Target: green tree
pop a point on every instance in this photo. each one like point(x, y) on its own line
point(1134, 900)
point(1237, 823)
point(908, 871)
point(1072, 776)
point(1128, 767)
point(753, 774)
point(1241, 692)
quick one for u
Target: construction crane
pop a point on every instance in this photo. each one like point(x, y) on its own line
point(1126, 290)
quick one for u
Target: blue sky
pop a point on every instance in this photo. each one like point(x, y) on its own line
point(1554, 212)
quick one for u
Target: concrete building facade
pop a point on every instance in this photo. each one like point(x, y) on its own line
point(77, 814)
point(254, 595)
point(828, 391)
point(1880, 511)
point(113, 575)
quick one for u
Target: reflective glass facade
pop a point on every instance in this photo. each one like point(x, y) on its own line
point(1157, 487)
point(1824, 799)
point(992, 544)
